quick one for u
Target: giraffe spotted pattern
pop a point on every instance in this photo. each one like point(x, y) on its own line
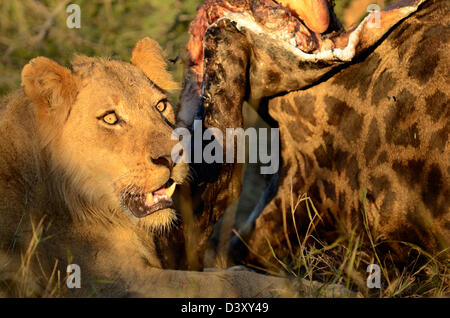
point(379, 126)
point(366, 140)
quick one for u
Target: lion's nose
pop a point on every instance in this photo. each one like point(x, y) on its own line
point(163, 161)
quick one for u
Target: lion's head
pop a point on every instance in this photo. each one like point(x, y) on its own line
point(106, 128)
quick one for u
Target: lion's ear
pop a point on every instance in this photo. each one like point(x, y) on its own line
point(50, 87)
point(148, 56)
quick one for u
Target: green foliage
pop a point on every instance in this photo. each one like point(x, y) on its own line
point(339, 7)
point(111, 28)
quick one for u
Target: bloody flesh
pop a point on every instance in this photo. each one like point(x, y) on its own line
point(269, 14)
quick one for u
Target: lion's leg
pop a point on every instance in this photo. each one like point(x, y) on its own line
point(170, 283)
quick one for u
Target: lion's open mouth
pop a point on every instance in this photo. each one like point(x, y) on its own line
point(144, 204)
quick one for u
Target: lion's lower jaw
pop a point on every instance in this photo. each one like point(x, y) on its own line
point(159, 221)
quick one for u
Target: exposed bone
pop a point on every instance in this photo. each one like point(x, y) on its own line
point(336, 49)
point(346, 54)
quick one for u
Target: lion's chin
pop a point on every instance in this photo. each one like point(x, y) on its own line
point(160, 220)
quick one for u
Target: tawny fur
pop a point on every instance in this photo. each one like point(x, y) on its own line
point(61, 173)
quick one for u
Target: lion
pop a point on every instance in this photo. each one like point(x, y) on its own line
point(87, 179)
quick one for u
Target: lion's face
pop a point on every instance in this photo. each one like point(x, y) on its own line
point(118, 138)
point(112, 146)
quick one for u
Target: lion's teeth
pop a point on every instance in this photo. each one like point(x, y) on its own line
point(149, 198)
point(170, 190)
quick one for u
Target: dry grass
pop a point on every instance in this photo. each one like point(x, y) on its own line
point(26, 277)
point(345, 261)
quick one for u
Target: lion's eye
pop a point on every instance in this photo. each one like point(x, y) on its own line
point(161, 106)
point(110, 119)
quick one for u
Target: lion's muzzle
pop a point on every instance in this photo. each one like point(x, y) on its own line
point(143, 204)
